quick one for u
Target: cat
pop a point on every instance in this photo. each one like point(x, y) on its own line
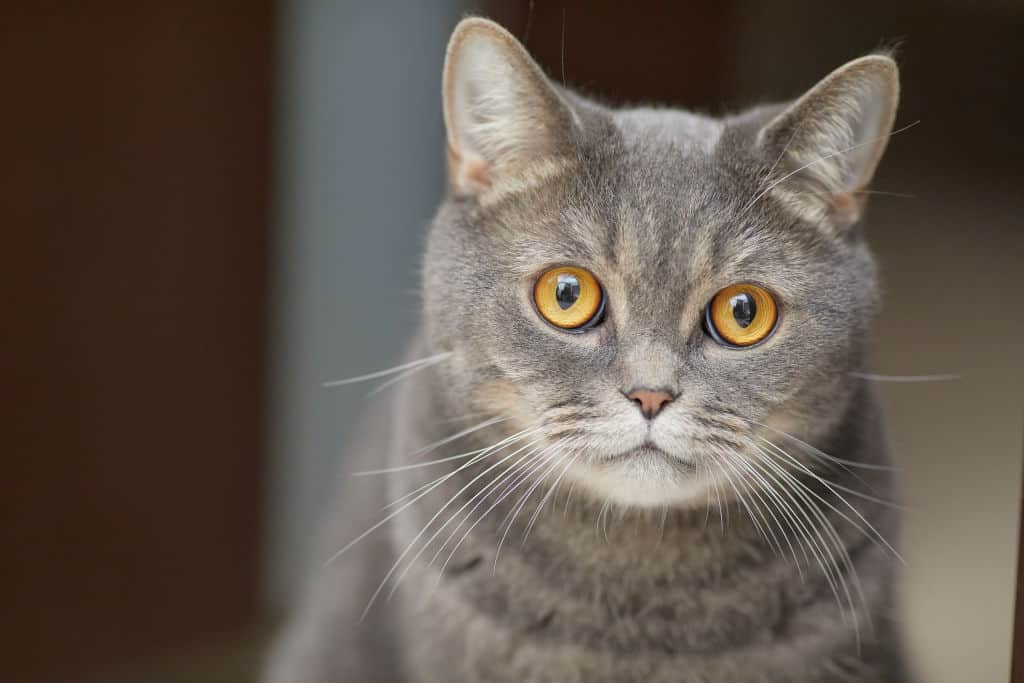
point(634, 446)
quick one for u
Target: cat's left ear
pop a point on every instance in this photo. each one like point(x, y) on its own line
point(829, 142)
point(506, 122)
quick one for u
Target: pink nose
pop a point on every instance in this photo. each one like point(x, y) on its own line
point(650, 401)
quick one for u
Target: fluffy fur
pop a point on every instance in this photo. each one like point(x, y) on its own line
point(755, 543)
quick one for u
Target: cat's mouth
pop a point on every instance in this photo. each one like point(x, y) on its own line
point(648, 447)
point(649, 451)
point(644, 474)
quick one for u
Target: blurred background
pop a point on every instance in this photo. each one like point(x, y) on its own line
point(210, 208)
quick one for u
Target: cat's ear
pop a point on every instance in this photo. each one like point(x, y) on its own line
point(828, 143)
point(503, 117)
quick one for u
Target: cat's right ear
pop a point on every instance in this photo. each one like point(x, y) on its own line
point(505, 121)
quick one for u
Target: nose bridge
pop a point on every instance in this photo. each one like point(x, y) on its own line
point(649, 363)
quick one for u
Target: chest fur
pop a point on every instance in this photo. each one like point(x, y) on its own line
point(643, 604)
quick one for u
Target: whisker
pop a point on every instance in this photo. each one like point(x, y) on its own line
point(554, 486)
point(522, 476)
point(597, 520)
point(661, 524)
point(768, 175)
point(414, 496)
point(707, 503)
point(718, 498)
point(838, 543)
point(512, 484)
point(818, 452)
point(418, 465)
point(792, 173)
point(901, 195)
point(419, 535)
point(845, 502)
point(568, 497)
point(460, 418)
point(553, 460)
point(840, 487)
point(787, 488)
point(790, 483)
point(800, 489)
point(563, 45)
point(396, 379)
point(833, 462)
point(433, 446)
point(783, 508)
point(483, 453)
point(907, 379)
point(746, 507)
point(745, 467)
point(778, 159)
point(422, 362)
point(517, 469)
point(458, 435)
point(481, 495)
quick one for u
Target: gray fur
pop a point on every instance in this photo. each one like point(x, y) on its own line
point(657, 204)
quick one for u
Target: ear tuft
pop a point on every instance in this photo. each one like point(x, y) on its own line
point(829, 142)
point(500, 111)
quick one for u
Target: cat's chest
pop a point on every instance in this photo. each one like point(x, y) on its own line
point(448, 641)
point(479, 624)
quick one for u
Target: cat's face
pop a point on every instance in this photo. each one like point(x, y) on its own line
point(627, 283)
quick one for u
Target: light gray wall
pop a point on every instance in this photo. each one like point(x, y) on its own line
point(359, 172)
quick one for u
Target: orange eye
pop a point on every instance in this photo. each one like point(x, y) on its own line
point(741, 315)
point(569, 298)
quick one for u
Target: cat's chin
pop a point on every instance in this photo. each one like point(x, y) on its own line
point(644, 477)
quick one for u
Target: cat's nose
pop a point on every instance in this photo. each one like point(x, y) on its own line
point(650, 401)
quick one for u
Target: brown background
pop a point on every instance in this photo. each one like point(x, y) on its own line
point(135, 211)
point(135, 142)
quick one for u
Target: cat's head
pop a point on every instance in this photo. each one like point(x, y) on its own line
point(652, 288)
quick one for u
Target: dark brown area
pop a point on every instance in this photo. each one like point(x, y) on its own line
point(133, 200)
point(653, 52)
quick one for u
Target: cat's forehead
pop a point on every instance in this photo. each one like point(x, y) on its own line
point(660, 165)
point(667, 189)
point(685, 131)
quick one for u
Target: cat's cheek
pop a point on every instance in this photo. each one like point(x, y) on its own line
point(505, 398)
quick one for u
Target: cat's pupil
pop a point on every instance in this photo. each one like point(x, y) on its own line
point(743, 309)
point(567, 291)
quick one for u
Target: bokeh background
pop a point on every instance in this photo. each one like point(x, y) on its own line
point(210, 208)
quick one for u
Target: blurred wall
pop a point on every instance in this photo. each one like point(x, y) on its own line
point(360, 163)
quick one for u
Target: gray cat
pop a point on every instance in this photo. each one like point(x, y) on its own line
point(636, 447)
